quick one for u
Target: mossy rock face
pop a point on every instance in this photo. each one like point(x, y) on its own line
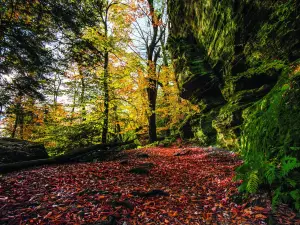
point(228, 55)
point(274, 122)
point(204, 132)
point(240, 62)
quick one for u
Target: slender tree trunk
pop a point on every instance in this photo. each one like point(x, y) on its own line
point(153, 53)
point(21, 125)
point(165, 86)
point(83, 111)
point(152, 94)
point(56, 89)
point(74, 102)
point(13, 134)
point(106, 98)
point(18, 113)
point(117, 126)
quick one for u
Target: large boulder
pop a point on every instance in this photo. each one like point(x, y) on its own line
point(14, 150)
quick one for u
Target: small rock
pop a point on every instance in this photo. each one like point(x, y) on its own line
point(139, 170)
point(125, 204)
point(152, 193)
point(147, 165)
point(142, 155)
point(182, 152)
point(124, 162)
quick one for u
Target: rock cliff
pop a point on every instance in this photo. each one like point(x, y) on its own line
point(229, 55)
point(239, 60)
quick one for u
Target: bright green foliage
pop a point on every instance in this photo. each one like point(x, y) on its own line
point(269, 137)
point(253, 182)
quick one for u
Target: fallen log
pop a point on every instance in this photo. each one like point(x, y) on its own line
point(68, 157)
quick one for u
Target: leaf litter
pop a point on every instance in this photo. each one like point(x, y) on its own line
point(193, 188)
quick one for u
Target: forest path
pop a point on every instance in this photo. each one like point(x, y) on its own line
point(195, 188)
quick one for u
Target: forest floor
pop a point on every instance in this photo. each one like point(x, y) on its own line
point(155, 187)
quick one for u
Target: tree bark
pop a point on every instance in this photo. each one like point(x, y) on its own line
point(106, 98)
point(152, 94)
point(82, 95)
point(13, 134)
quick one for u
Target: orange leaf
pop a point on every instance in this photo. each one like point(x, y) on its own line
point(260, 216)
point(258, 208)
point(101, 197)
point(174, 214)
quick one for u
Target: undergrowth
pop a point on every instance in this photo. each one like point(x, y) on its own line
point(270, 143)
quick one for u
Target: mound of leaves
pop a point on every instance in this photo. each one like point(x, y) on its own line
point(191, 189)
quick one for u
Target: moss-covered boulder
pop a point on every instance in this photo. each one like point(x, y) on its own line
point(15, 150)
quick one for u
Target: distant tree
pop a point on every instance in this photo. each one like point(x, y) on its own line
point(105, 40)
point(151, 25)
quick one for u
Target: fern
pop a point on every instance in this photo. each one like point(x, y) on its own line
point(253, 182)
point(271, 173)
point(287, 164)
point(276, 197)
point(296, 196)
point(291, 182)
point(295, 148)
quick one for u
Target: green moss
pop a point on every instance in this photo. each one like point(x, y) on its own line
point(233, 59)
point(205, 133)
point(270, 140)
point(227, 125)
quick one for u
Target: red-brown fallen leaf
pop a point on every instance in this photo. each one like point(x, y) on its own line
point(260, 216)
point(48, 215)
point(258, 208)
point(199, 184)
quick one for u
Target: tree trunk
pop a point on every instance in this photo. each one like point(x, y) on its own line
point(21, 121)
point(106, 98)
point(56, 89)
point(18, 112)
point(83, 111)
point(13, 134)
point(74, 101)
point(117, 127)
point(152, 94)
